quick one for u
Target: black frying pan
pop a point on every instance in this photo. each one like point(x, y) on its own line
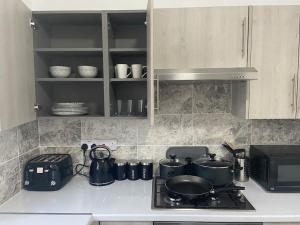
point(193, 187)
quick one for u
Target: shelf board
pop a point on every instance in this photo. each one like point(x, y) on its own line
point(69, 79)
point(128, 80)
point(128, 50)
point(94, 51)
point(93, 116)
point(130, 117)
point(76, 117)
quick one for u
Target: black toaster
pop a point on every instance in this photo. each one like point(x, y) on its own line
point(47, 172)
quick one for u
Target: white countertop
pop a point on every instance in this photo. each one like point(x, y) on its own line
point(131, 201)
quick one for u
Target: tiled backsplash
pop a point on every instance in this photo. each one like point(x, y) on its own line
point(190, 114)
point(17, 145)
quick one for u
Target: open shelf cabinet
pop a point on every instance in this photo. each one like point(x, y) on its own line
point(100, 39)
point(90, 93)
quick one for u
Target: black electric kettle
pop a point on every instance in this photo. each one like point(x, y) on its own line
point(101, 169)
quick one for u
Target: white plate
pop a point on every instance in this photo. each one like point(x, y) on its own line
point(69, 104)
point(67, 109)
point(69, 113)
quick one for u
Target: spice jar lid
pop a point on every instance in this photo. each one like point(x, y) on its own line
point(146, 162)
point(133, 163)
point(120, 162)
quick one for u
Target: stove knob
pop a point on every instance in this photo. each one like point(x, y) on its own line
point(53, 183)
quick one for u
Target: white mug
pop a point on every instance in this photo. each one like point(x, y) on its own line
point(137, 70)
point(121, 71)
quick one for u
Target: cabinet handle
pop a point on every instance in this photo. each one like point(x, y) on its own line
point(157, 94)
point(244, 31)
point(293, 91)
point(37, 107)
point(33, 25)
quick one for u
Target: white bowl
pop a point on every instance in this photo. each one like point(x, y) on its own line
point(87, 71)
point(60, 71)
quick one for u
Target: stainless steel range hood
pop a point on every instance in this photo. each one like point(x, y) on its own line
point(238, 73)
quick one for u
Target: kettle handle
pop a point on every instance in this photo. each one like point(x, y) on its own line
point(95, 147)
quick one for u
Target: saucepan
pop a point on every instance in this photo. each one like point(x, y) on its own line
point(218, 172)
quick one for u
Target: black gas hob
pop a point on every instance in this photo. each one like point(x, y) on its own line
point(226, 200)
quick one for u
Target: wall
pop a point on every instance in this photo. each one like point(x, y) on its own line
point(44, 5)
point(190, 114)
point(17, 145)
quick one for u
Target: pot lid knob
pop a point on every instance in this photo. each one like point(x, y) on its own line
point(173, 156)
point(212, 156)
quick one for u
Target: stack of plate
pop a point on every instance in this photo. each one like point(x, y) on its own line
point(69, 109)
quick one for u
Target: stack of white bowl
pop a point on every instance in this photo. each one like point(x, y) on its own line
point(69, 109)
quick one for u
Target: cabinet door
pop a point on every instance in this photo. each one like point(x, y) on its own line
point(200, 37)
point(298, 75)
point(275, 38)
point(17, 86)
point(150, 89)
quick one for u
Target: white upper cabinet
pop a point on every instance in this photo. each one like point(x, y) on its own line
point(200, 37)
point(275, 42)
point(17, 86)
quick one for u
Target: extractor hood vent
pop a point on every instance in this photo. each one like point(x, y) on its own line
point(242, 73)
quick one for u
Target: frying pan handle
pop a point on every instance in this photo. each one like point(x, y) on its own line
point(223, 189)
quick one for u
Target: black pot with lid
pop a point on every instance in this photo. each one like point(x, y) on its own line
point(171, 167)
point(219, 172)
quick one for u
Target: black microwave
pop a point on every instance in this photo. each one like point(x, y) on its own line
point(276, 167)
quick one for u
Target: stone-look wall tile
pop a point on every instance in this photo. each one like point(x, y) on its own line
point(175, 98)
point(167, 130)
point(49, 150)
point(9, 148)
point(9, 179)
point(275, 132)
point(155, 153)
point(9, 186)
point(28, 137)
point(124, 130)
point(212, 97)
point(60, 132)
point(213, 129)
point(125, 153)
point(27, 156)
point(145, 152)
point(9, 168)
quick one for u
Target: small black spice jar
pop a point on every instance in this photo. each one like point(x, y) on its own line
point(133, 170)
point(120, 170)
point(146, 170)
